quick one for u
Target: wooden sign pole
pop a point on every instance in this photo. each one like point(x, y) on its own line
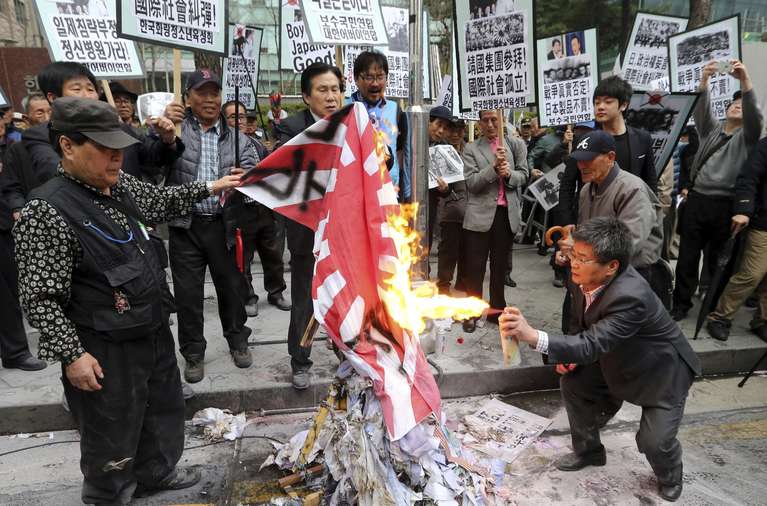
point(177, 81)
point(108, 92)
point(471, 131)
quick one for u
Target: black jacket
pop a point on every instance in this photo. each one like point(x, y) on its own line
point(631, 335)
point(642, 166)
point(292, 126)
point(751, 187)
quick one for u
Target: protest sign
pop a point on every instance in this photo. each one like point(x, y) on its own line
point(495, 53)
point(545, 189)
point(344, 22)
point(568, 70)
point(646, 56)
point(397, 56)
point(445, 162)
point(197, 25)
point(296, 50)
point(86, 33)
point(241, 66)
point(664, 116)
point(690, 51)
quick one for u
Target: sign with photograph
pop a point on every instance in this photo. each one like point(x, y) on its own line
point(444, 162)
point(296, 50)
point(545, 189)
point(664, 116)
point(495, 53)
point(4, 99)
point(197, 25)
point(646, 54)
point(241, 66)
point(568, 71)
point(86, 32)
point(690, 51)
point(341, 22)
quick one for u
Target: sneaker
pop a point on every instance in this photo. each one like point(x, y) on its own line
point(301, 379)
point(194, 370)
point(678, 314)
point(251, 307)
point(186, 391)
point(180, 478)
point(575, 462)
point(718, 329)
point(242, 358)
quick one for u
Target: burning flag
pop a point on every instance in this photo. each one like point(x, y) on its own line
point(332, 178)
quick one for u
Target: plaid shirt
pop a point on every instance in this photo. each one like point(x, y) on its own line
point(207, 170)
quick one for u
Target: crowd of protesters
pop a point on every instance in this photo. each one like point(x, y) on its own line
point(65, 229)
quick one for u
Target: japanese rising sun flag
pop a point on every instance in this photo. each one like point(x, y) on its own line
point(332, 178)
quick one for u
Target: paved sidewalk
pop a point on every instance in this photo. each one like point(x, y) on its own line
point(31, 401)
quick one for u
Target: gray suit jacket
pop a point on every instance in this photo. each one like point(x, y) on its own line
point(482, 183)
point(638, 346)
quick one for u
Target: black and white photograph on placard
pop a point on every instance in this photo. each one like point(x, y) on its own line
point(546, 188)
point(566, 84)
point(494, 41)
point(664, 116)
point(152, 105)
point(692, 50)
point(446, 163)
point(646, 56)
point(396, 28)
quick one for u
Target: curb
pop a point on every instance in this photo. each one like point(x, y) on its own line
point(53, 417)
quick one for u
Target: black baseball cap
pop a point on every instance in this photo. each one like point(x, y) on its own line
point(593, 144)
point(525, 122)
point(441, 112)
point(200, 77)
point(96, 120)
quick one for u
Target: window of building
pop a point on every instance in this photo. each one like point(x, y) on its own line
point(21, 11)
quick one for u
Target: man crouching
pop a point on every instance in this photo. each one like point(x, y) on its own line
point(628, 349)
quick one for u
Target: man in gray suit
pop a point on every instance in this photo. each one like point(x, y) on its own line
point(627, 349)
point(495, 172)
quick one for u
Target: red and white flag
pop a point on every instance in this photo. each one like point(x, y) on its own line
point(331, 179)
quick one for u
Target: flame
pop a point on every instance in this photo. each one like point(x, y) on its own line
point(407, 305)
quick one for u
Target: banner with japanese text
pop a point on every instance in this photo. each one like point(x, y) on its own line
point(344, 22)
point(568, 72)
point(196, 25)
point(495, 53)
point(296, 50)
point(86, 32)
point(646, 56)
point(690, 51)
point(241, 66)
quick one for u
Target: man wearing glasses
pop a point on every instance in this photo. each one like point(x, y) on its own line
point(370, 73)
point(626, 347)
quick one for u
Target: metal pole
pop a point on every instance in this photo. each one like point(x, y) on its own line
point(418, 121)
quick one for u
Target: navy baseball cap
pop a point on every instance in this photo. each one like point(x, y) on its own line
point(201, 77)
point(593, 144)
point(441, 112)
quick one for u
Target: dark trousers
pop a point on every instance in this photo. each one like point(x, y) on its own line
point(495, 244)
point(705, 222)
point(300, 244)
point(259, 233)
point(132, 430)
point(450, 255)
point(191, 251)
point(590, 405)
point(13, 337)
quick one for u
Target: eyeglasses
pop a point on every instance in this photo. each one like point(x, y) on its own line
point(371, 79)
point(122, 101)
point(575, 260)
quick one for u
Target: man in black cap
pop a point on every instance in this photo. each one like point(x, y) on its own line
point(125, 103)
point(205, 237)
point(90, 282)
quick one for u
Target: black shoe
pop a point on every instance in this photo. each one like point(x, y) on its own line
point(279, 302)
point(242, 358)
point(678, 314)
point(469, 325)
point(251, 307)
point(301, 379)
point(761, 331)
point(752, 302)
point(575, 462)
point(718, 329)
point(180, 478)
point(670, 492)
point(558, 282)
point(28, 363)
point(194, 370)
point(509, 282)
